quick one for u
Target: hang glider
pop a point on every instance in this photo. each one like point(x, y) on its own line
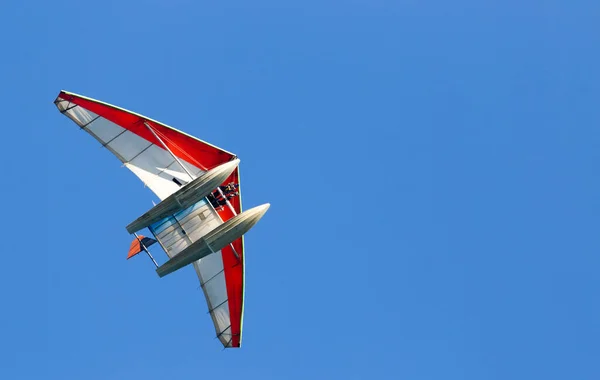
point(199, 220)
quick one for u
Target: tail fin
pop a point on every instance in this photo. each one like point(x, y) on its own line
point(138, 244)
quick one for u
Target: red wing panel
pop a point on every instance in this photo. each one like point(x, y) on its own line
point(234, 268)
point(185, 147)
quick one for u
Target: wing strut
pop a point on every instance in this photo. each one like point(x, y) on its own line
point(168, 150)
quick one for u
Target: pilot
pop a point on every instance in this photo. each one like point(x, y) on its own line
point(211, 198)
point(232, 195)
point(231, 186)
point(218, 201)
point(223, 202)
point(215, 198)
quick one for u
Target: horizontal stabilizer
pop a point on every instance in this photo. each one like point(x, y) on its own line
point(138, 244)
point(186, 196)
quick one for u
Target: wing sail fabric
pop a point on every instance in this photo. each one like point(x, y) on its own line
point(126, 135)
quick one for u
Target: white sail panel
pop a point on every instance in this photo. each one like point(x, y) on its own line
point(211, 274)
point(152, 164)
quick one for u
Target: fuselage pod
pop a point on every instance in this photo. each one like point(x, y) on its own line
point(186, 196)
point(215, 240)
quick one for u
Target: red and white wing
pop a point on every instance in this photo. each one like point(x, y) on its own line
point(127, 136)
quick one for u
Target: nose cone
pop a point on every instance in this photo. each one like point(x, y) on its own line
point(261, 210)
point(220, 173)
point(235, 227)
point(252, 216)
point(229, 166)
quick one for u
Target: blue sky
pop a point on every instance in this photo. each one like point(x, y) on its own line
point(432, 168)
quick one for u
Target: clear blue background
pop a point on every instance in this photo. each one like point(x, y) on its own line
point(433, 170)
